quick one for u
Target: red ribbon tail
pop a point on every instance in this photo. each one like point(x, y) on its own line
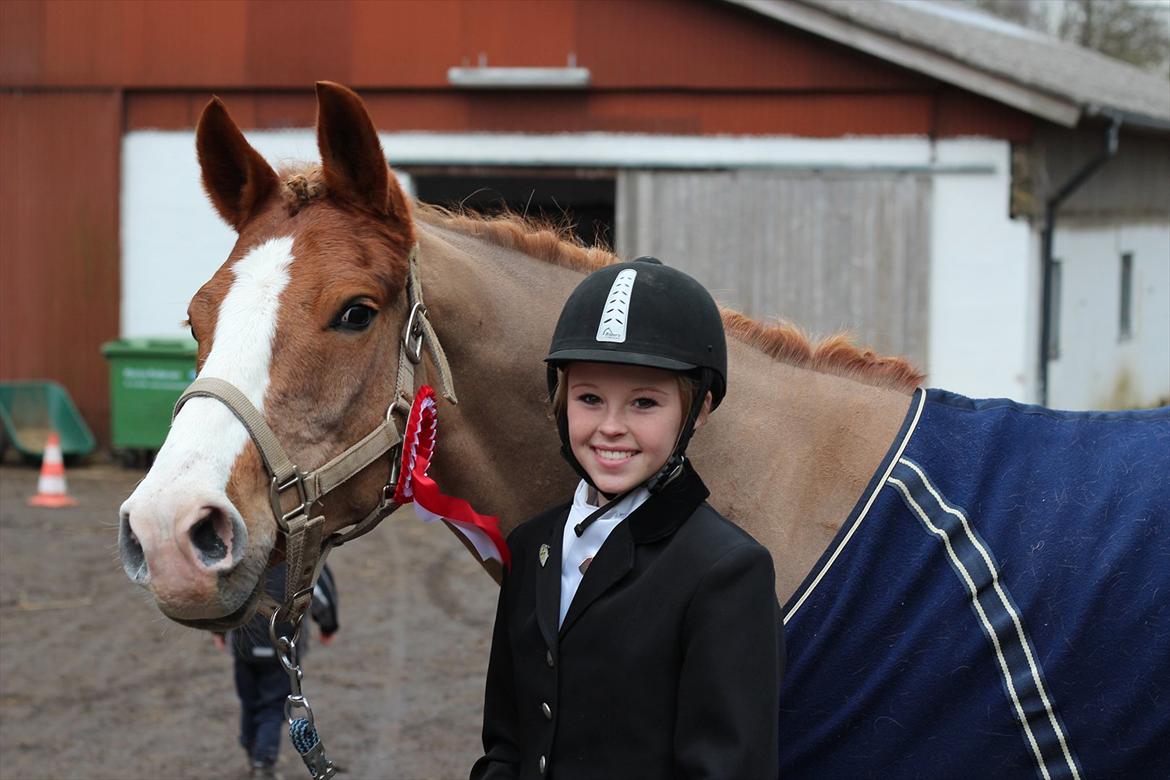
point(483, 531)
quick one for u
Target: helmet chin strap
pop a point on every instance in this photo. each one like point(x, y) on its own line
point(674, 464)
point(613, 501)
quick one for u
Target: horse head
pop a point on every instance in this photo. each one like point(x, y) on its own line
point(303, 318)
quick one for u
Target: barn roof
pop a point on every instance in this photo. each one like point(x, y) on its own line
point(1033, 72)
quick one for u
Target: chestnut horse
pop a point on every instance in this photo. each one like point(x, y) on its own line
point(305, 319)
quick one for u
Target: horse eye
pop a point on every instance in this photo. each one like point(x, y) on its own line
point(356, 317)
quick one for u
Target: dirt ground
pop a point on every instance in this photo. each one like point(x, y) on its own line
point(95, 683)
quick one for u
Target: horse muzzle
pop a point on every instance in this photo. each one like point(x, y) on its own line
point(190, 554)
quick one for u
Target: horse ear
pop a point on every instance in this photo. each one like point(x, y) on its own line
point(237, 179)
point(352, 158)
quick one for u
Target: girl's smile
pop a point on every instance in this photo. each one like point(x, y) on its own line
point(614, 455)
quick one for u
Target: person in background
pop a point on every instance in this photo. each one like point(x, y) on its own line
point(261, 682)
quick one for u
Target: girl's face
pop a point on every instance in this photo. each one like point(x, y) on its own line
point(623, 421)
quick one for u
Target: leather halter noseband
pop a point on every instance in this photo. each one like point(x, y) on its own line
point(306, 546)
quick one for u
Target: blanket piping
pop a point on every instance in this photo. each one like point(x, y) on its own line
point(969, 557)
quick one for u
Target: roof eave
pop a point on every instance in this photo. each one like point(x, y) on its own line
point(1129, 118)
point(1032, 101)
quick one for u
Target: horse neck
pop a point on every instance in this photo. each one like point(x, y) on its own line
point(493, 310)
point(786, 456)
point(791, 451)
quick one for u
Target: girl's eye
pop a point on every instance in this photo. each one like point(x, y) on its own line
point(355, 317)
point(645, 403)
point(589, 399)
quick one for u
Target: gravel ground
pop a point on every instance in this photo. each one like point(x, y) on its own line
point(95, 683)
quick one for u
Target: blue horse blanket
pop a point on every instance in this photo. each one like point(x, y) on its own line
point(996, 605)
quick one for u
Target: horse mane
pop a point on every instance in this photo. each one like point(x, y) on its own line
point(303, 184)
point(836, 354)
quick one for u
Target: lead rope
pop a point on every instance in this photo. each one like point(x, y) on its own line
point(302, 731)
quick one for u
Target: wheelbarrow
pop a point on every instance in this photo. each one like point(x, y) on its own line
point(30, 411)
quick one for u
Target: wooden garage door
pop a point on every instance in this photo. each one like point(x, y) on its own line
point(828, 252)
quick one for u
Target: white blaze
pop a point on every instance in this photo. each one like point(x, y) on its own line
point(205, 438)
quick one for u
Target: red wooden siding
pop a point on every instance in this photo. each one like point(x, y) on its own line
point(261, 44)
point(942, 113)
point(659, 66)
point(59, 278)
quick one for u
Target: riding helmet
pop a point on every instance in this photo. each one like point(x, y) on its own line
point(643, 313)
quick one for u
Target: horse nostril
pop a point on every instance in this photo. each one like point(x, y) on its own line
point(133, 559)
point(211, 535)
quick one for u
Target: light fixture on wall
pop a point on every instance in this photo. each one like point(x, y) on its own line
point(484, 77)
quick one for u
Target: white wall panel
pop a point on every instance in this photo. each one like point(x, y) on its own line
point(1097, 368)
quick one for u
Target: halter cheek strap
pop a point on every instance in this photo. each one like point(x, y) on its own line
point(306, 546)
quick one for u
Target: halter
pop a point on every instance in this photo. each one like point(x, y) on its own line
point(306, 545)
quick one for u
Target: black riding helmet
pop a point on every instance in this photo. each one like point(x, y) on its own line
point(642, 313)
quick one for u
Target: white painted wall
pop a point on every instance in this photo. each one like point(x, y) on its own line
point(984, 280)
point(172, 239)
point(1096, 369)
point(982, 287)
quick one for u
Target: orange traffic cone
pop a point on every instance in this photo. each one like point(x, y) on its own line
point(51, 490)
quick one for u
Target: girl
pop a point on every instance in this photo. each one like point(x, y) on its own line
point(638, 633)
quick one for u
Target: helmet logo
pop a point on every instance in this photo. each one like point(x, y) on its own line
point(615, 314)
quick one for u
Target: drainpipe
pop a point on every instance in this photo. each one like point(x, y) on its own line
point(1046, 236)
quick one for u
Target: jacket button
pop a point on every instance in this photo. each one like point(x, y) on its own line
point(548, 659)
point(543, 764)
point(547, 710)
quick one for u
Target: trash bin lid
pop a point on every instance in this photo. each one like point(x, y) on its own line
point(150, 347)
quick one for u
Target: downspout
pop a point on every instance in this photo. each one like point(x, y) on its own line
point(1046, 236)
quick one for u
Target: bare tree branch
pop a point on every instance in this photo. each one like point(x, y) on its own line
point(1135, 31)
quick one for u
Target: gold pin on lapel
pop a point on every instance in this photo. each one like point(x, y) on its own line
point(543, 555)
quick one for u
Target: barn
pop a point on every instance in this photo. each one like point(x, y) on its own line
point(991, 202)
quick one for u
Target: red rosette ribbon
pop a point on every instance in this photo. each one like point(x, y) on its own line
point(430, 504)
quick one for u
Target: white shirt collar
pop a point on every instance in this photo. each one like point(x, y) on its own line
point(619, 511)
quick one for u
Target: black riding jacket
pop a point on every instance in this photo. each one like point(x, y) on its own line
point(668, 662)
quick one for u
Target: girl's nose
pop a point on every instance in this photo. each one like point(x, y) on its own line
point(613, 424)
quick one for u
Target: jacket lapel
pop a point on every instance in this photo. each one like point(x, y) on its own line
point(612, 562)
point(659, 517)
point(548, 584)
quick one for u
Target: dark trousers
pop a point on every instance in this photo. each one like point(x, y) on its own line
point(263, 688)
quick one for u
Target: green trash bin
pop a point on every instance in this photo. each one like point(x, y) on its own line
point(147, 376)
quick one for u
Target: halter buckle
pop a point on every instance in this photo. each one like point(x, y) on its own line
point(387, 497)
point(412, 334)
point(391, 487)
point(275, 491)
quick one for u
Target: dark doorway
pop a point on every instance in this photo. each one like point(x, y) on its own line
point(584, 204)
